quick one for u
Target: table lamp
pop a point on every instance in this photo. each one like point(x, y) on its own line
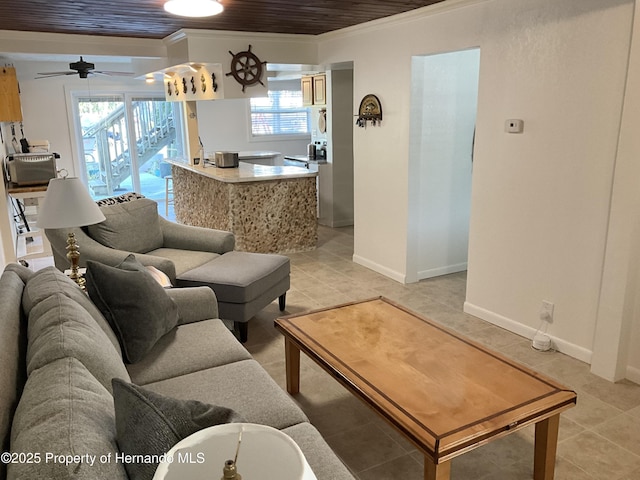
point(68, 204)
point(258, 452)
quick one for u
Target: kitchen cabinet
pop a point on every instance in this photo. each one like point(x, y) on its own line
point(10, 109)
point(307, 91)
point(314, 90)
point(319, 90)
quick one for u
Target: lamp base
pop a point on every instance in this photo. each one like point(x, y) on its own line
point(73, 255)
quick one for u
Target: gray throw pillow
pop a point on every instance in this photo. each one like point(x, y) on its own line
point(148, 423)
point(136, 306)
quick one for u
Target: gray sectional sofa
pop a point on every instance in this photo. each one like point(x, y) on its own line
point(59, 356)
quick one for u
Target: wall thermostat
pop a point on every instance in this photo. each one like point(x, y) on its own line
point(514, 125)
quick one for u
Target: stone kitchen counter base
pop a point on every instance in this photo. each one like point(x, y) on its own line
point(267, 216)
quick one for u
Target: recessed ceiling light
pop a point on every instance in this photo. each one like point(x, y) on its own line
point(193, 8)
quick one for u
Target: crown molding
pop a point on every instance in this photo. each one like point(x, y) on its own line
point(401, 18)
point(186, 33)
point(18, 42)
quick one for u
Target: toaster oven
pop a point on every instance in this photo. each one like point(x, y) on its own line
point(226, 159)
point(31, 168)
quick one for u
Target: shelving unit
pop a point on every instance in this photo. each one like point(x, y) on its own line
point(30, 241)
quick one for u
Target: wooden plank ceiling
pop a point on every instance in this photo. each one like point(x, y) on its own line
point(147, 18)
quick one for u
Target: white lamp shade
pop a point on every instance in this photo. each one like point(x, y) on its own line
point(265, 453)
point(193, 8)
point(68, 204)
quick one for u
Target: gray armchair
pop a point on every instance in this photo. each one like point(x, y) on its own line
point(135, 227)
point(244, 283)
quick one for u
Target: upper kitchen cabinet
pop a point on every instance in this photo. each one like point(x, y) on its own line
point(307, 91)
point(10, 109)
point(314, 90)
point(319, 90)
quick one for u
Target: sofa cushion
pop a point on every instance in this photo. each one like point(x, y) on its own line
point(148, 423)
point(131, 226)
point(13, 345)
point(187, 349)
point(23, 272)
point(48, 281)
point(64, 411)
point(184, 260)
point(59, 328)
point(136, 306)
point(243, 386)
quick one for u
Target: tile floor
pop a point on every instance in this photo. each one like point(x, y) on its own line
point(599, 438)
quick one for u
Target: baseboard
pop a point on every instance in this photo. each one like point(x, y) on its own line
point(387, 272)
point(436, 272)
point(559, 344)
point(633, 374)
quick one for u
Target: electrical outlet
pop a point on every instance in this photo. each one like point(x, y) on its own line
point(546, 311)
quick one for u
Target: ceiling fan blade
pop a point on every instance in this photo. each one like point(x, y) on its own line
point(54, 74)
point(66, 72)
point(112, 73)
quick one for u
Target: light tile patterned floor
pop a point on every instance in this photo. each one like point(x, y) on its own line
point(599, 438)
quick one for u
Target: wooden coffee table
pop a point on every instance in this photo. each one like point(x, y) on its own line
point(442, 391)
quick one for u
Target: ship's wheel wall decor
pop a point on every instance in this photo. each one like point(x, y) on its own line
point(370, 111)
point(246, 68)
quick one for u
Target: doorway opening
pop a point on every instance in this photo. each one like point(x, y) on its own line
point(444, 97)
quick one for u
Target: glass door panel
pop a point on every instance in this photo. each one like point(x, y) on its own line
point(104, 145)
point(125, 142)
point(158, 136)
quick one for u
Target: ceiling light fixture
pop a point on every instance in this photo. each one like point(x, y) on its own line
point(193, 8)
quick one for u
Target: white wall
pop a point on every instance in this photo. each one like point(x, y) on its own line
point(381, 52)
point(540, 201)
point(443, 117)
point(225, 125)
point(616, 350)
point(215, 47)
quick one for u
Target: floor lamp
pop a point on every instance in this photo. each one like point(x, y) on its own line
point(67, 204)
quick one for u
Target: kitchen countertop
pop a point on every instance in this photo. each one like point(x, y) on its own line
point(247, 172)
point(304, 158)
point(258, 154)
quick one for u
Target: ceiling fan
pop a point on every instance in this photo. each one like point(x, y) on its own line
point(83, 69)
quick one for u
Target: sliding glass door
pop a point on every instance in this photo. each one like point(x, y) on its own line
point(124, 140)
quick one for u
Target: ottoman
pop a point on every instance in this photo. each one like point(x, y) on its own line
point(244, 284)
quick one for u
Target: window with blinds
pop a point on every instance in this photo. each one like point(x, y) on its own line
point(281, 114)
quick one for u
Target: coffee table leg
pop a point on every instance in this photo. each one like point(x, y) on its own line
point(545, 448)
point(440, 471)
point(292, 363)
